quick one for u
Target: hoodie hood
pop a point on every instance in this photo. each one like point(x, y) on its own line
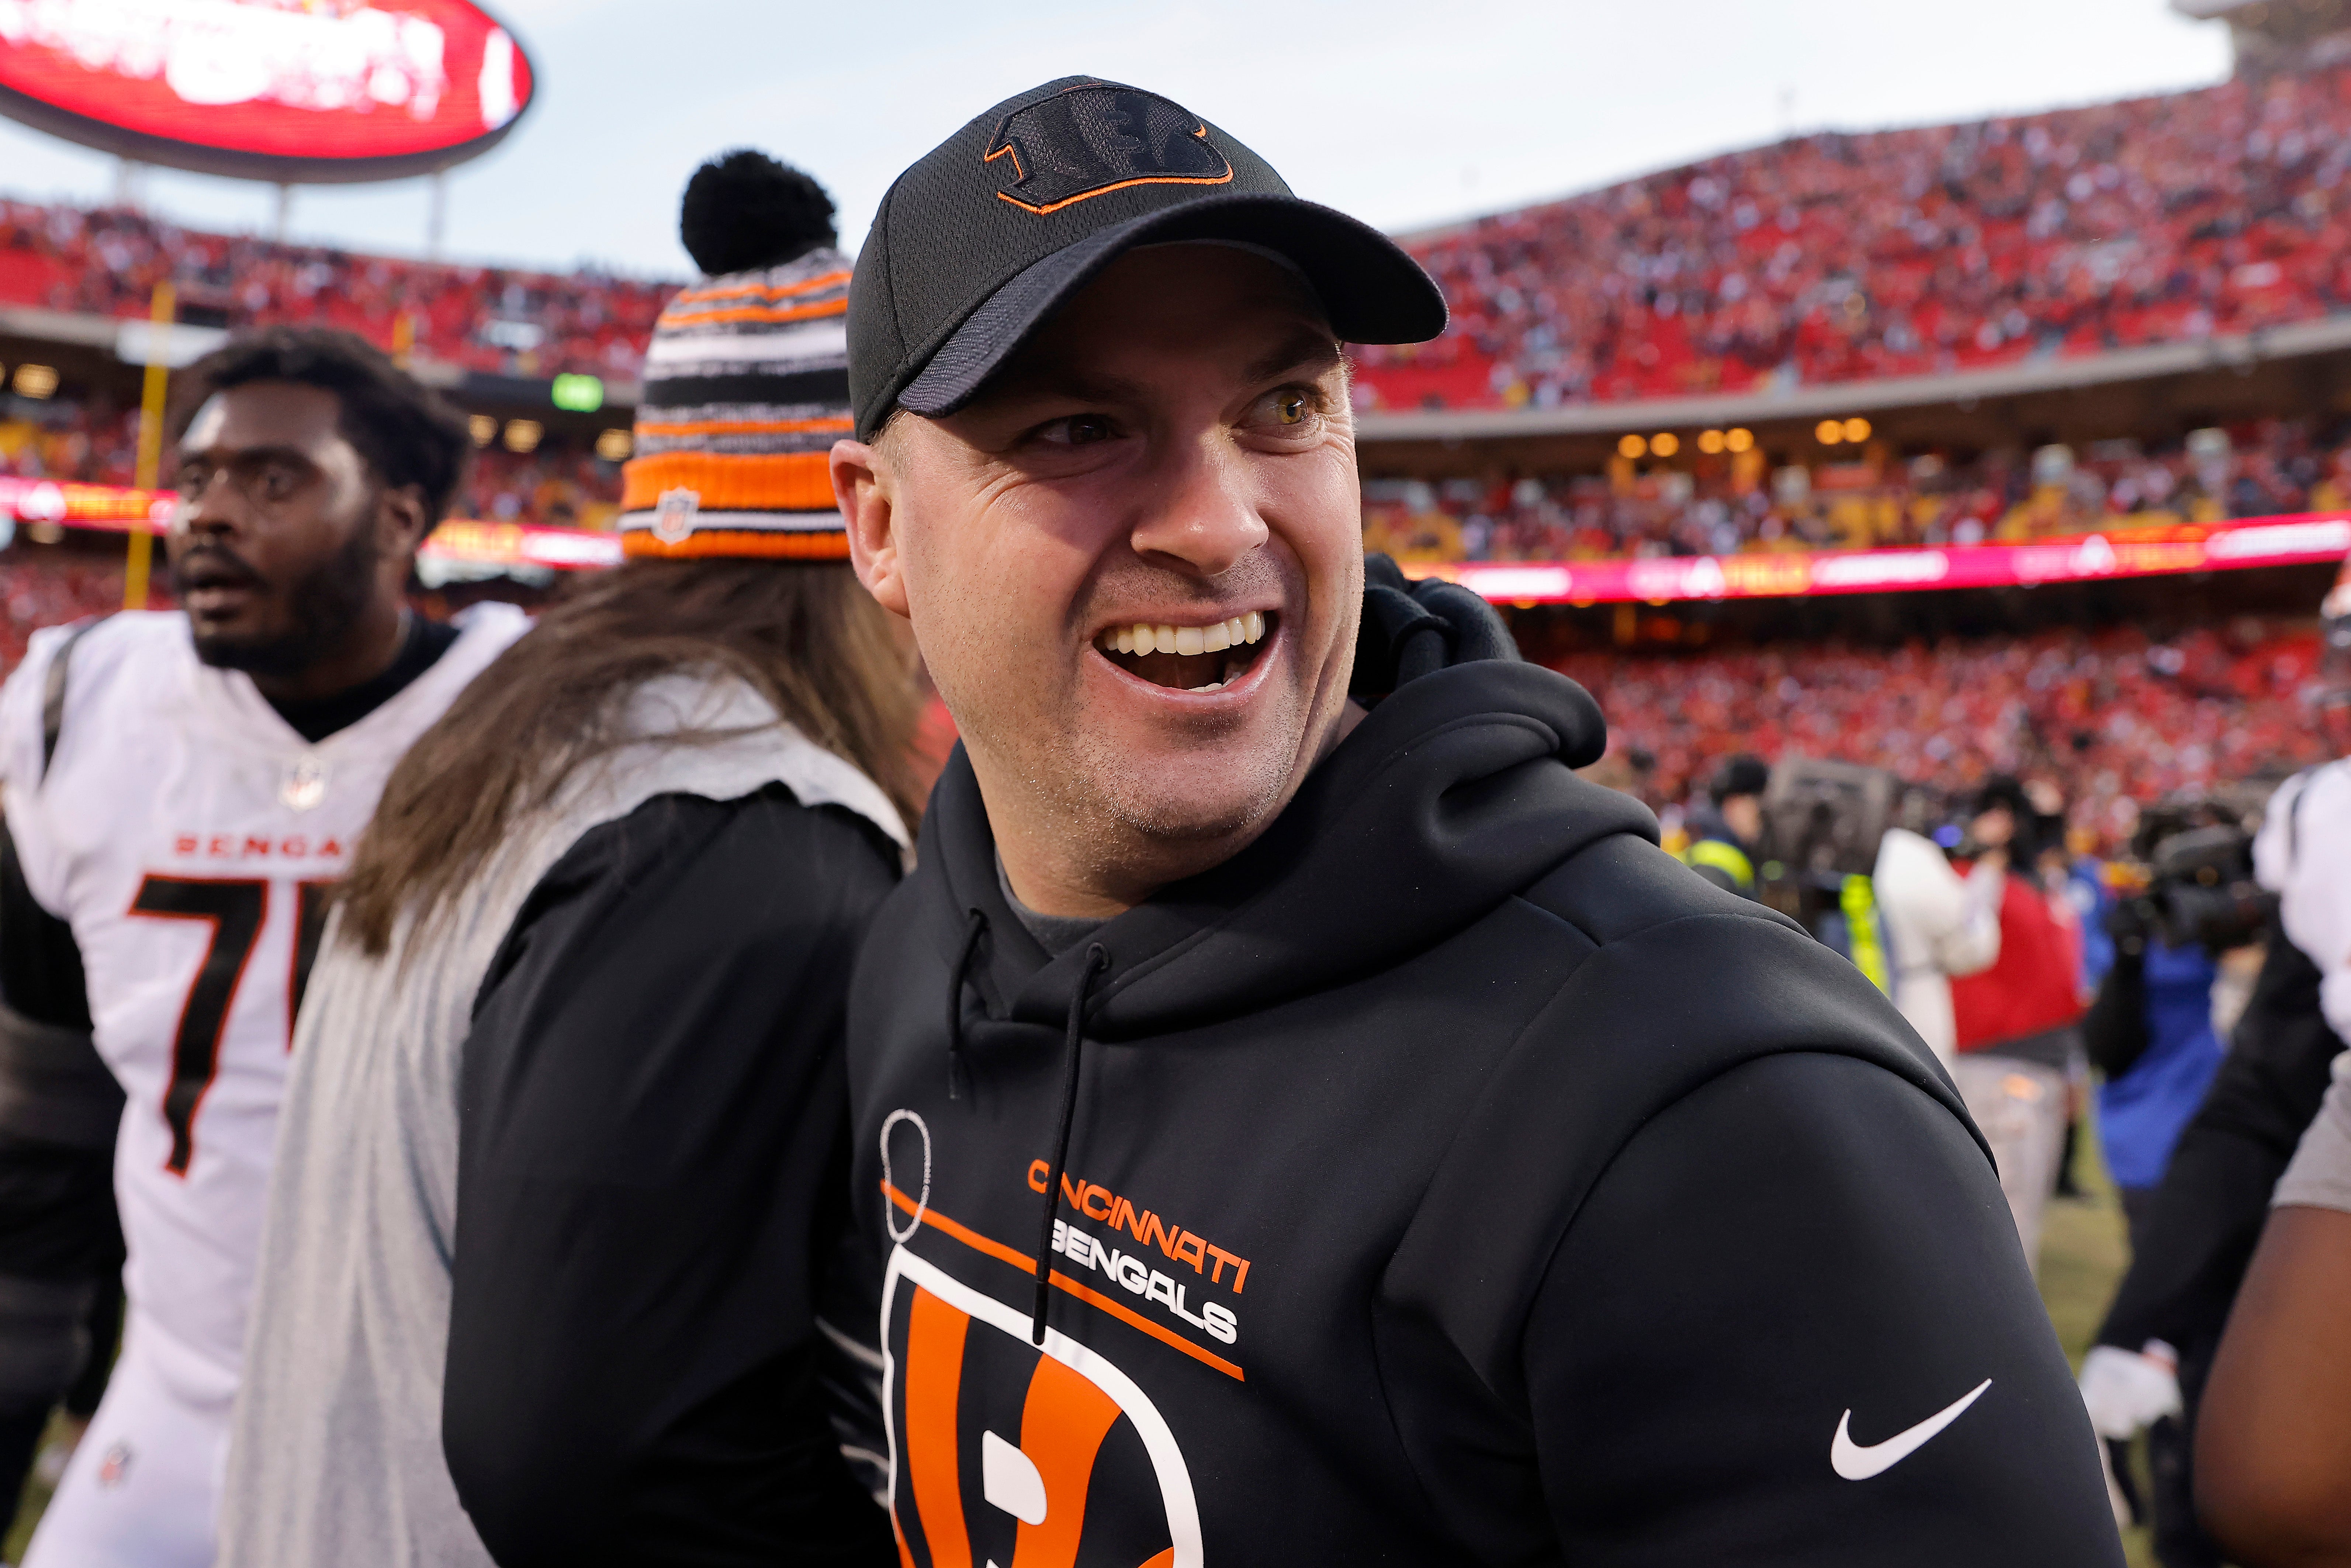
point(1458, 791)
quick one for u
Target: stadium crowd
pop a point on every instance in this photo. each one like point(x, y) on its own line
point(1725, 506)
point(1833, 257)
point(106, 262)
point(2112, 720)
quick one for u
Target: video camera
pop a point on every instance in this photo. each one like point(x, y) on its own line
point(1822, 823)
point(2201, 886)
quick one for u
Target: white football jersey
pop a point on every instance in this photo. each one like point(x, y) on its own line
point(2304, 856)
point(186, 835)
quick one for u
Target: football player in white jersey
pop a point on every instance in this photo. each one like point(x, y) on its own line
point(181, 799)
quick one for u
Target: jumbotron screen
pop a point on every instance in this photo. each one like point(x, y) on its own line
point(297, 90)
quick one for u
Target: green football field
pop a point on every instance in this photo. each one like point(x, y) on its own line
point(2082, 1255)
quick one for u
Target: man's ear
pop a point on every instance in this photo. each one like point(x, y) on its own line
point(403, 520)
point(862, 492)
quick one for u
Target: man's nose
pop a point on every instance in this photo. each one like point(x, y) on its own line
point(1207, 518)
point(216, 508)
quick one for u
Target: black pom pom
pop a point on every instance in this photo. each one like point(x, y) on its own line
point(744, 210)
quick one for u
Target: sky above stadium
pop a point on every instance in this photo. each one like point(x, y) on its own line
point(1405, 113)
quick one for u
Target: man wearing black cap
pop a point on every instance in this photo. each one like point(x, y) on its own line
point(1286, 1129)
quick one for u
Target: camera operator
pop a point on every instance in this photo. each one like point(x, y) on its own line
point(1879, 892)
point(2156, 1348)
point(2152, 1033)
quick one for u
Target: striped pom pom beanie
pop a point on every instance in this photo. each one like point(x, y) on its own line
point(747, 379)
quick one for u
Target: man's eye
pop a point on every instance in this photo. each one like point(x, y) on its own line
point(191, 481)
point(1291, 407)
point(1079, 429)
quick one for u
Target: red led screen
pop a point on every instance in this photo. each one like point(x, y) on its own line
point(287, 89)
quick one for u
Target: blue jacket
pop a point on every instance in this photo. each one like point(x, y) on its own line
point(2142, 1112)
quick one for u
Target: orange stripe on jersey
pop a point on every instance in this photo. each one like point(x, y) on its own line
point(724, 482)
point(935, 1336)
point(1092, 1298)
point(1063, 1425)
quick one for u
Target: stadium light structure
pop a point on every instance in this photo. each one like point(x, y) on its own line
point(1665, 443)
point(1633, 446)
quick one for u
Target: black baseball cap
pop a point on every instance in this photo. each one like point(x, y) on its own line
point(993, 230)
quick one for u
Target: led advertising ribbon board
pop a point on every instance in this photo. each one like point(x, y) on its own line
point(2253, 541)
point(297, 91)
point(2317, 538)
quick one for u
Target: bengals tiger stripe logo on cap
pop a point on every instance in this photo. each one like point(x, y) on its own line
point(1091, 140)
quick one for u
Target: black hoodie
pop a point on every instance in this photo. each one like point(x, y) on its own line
point(1451, 1176)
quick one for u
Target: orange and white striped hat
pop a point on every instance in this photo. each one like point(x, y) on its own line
point(747, 389)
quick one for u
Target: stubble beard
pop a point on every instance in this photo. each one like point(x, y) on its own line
point(1121, 830)
point(321, 605)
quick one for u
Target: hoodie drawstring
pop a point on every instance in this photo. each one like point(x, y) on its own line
point(973, 932)
point(1097, 960)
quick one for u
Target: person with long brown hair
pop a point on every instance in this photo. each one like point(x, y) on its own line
point(565, 1147)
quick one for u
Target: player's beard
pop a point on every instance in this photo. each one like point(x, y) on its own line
point(320, 608)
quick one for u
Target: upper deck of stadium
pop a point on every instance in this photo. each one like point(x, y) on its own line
point(2071, 246)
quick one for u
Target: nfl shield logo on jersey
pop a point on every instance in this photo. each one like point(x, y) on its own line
point(305, 784)
point(114, 1468)
point(673, 515)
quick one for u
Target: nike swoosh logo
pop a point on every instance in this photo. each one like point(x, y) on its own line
point(1856, 1463)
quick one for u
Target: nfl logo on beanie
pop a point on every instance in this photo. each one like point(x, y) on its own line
point(747, 379)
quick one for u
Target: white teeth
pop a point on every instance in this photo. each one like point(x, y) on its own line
point(1146, 637)
point(1211, 686)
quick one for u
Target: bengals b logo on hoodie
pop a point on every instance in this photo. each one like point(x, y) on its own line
point(981, 1477)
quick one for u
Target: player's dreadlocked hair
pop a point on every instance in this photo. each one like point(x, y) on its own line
point(806, 636)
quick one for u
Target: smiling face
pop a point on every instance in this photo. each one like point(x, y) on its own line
point(1135, 567)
